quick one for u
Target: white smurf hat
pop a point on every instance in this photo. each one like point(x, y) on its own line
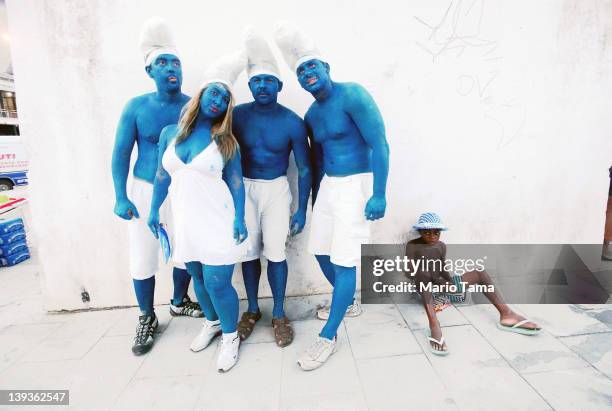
point(225, 69)
point(261, 60)
point(294, 44)
point(156, 39)
point(430, 221)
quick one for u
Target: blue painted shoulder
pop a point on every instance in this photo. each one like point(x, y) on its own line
point(168, 132)
point(353, 90)
point(135, 102)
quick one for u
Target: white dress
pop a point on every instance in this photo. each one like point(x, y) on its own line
point(202, 209)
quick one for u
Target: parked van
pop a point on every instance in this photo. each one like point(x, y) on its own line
point(13, 162)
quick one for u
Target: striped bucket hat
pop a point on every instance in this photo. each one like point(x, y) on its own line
point(430, 221)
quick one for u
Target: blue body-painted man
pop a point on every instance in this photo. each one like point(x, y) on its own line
point(267, 133)
point(141, 123)
point(350, 167)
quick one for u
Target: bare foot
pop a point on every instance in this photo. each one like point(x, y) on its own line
point(436, 332)
point(511, 318)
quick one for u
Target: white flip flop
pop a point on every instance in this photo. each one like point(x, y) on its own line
point(516, 328)
point(441, 343)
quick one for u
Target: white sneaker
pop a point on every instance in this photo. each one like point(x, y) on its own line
point(353, 310)
point(228, 353)
point(209, 331)
point(316, 355)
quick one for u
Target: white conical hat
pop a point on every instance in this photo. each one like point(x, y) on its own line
point(261, 60)
point(225, 69)
point(155, 39)
point(295, 45)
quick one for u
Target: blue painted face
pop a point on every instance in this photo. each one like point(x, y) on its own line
point(265, 88)
point(214, 101)
point(167, 72)
point(313, 75)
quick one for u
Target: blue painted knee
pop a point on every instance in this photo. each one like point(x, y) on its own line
point(327, 267)
point(218, 282)
point(195, 270)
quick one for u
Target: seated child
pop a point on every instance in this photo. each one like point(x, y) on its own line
point(429, 247)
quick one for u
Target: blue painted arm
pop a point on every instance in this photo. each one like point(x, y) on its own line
point(316, 160)
point(232, 175)
point(125, 138)
point(366, 116)
point(162, 180)
point(301, 153)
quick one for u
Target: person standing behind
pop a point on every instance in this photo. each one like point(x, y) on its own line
point(141, 123)
point(350, 166)
point(267, 133)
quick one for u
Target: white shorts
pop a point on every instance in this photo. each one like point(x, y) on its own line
point(144, 247)
point(267, 214)
point(339, 226)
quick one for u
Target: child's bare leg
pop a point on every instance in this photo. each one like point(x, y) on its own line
point(506, 315)
point(432, 318)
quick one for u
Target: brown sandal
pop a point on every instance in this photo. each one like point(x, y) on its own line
point(247, 323)
point(283, 332)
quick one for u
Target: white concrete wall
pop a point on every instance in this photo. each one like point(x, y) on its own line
point(497, 114)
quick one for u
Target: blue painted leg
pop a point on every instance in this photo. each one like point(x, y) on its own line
point(277, 277)
point(194, 269)
point(251, 272)
point(181, 279)
point(327, 267)
point(145, 292)
point(218, 282)
point(344, 292)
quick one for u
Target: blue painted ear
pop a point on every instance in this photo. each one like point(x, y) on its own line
point(326, 66)
point(280, 87)
point(148, 70)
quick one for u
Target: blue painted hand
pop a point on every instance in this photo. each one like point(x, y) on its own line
point(240, 231)
point(298, 220)
point(375, 208)
point(126, 209)
point(153, 223)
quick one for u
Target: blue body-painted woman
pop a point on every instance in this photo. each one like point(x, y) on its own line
point(193, 158)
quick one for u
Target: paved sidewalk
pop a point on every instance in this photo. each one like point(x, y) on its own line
point(383, 362)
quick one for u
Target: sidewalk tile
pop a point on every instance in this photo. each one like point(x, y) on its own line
point(582, 389)
point(171, 356)
point(160, 393)
point(595, 348)
point(19, 339)
point(401, 382)
point(537, 353)
point(252, 384)
point(330, 401)
point(380, 332)
point(475, 374)
point(103, 373)
point(50, 375)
